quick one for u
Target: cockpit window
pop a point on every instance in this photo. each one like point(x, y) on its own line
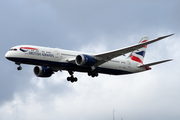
point(13, 49)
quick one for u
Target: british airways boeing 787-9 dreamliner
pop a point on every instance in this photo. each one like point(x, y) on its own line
point(49, 60)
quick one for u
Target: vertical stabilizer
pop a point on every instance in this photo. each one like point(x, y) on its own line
point(138, 55)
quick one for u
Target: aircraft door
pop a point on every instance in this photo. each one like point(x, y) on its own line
point(129, 64)
point(57, 55)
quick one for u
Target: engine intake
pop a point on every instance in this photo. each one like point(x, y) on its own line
point(85, 60)
point(41, 71)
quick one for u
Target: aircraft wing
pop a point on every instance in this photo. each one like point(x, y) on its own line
point(104, 57)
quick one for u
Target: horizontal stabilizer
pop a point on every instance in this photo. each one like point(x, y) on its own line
point(154, 63)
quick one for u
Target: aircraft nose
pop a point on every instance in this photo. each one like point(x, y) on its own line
point(8, 55)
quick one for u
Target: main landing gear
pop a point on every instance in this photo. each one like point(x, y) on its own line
point(93, 74)
point(71, 78)
point(18, 63)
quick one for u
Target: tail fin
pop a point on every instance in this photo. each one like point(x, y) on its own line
point(138, 55)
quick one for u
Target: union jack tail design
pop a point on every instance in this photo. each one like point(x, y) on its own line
point(138, 55)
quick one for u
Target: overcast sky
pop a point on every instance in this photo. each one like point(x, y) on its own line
point(93, 26)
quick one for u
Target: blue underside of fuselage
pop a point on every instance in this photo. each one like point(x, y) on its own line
point(67, 66)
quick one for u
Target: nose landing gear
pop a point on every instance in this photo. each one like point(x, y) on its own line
point(19, 68)
point(18, 63)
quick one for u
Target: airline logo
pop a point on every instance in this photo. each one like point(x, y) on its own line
point(138, 55)
point(35, 51)
point(137, 59)
point(142, 53)
point(25, 49)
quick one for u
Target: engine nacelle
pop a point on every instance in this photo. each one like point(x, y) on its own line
point(41, 71)
point(85, 60)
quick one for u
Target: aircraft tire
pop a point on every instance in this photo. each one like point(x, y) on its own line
point(68, 78)
point(19, 68)
point(72, 80)
point(75, 79)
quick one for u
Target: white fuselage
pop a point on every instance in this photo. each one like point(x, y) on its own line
point(59, 59)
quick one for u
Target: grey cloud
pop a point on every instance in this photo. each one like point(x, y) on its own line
point(84, 20)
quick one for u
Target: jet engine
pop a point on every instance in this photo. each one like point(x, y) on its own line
point(41, 71)
point(85, 60)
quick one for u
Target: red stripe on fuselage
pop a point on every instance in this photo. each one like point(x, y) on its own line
point(28, 48)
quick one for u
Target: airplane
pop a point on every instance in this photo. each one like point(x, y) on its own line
point(47, 60)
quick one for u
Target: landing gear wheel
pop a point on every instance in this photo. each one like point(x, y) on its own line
point(71, 78)
point(75, 79)
point(68, 78)
point(19, 68)
point(18, 63)
point(93, 74)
